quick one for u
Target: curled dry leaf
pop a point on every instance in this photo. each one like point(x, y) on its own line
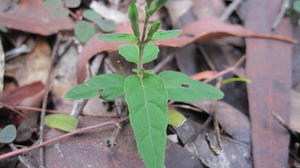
point(200, 30)
point(32, 16)
point(18, 95)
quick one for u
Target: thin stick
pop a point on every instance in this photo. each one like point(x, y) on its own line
point(164, 62)
point(215, 151)
point(45, 98)
point(226, 71)
point(230, 9)
point(122, 113)
point(22, 159)
point(51, 141)
point(216, 122)
point(60, 112)
point(2, 67)
point(285, 6)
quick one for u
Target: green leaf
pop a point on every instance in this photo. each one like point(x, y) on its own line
point(226, 81)
point(154, 27)
point(176, 119)
point(297, 6)
point(155, 5)
point(72, 3)
point(103, 24)
point(56, 8)
point(91, 15)
point(8, 134)
point(82, 91)
point(84, 31)
point(108, 87)
point(147, 103)
point(182, 88)
point(133, 16)
point(150, 53)
point(61, 121)
point(106, 25)
point(131, 53)
point(118, 37)
point(165, 34)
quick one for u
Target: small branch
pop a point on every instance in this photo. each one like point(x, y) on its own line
point(230, 9)
point(162, 63)
point(207, 59)
point(22, 159)
point(51, 141)
point(2, 67)
point(215, 151)
point(122, 113)
point(284, 7)
point(283, 124)
point(216, 122)
point(45, 98)
point(226, 71)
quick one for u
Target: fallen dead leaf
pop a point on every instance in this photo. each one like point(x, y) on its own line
point(32, 16)
point(200, 30)
point(18, 95)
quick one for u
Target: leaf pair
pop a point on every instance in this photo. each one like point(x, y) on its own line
point(85, 30)
point(57, 7)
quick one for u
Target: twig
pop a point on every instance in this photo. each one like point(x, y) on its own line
point(283, 124)
point(80, 104)
point(285, 6)
point(230, 9)
point(199, 131)
point(226, 71)
point(2, 66)
point(161, 64)
point(51, 141)
point(122, 112)
point(206, 57)
point(216, 122)
point(215, 151)
point(62, 112)
point(45, 98)
point(22, 159)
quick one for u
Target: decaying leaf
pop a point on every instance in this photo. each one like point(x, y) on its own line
point(32, 16)
point(18, 95)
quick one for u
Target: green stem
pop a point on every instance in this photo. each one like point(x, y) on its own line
point(141, 45)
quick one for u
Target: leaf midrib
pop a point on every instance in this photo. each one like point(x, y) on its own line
point(148, 118)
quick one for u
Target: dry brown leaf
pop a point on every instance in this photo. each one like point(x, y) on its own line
point(18, 95)
point(200, 30)
point(31, 16)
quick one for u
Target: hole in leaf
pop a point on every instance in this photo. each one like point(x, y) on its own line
point(185, 85)
point(100, 90)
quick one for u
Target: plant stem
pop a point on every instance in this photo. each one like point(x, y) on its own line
point(141, 45)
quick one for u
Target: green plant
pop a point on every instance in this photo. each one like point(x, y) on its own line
point(146, 94)
point(85, 29)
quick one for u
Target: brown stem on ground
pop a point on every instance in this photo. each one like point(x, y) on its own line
point(51, 141)
point(226, 71)
point(45, 98)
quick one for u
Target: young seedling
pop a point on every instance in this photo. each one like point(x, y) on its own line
point(146, 94)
